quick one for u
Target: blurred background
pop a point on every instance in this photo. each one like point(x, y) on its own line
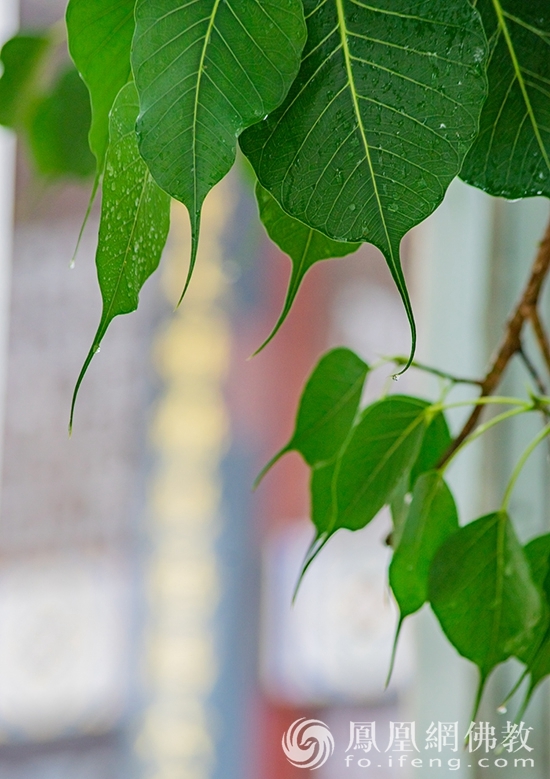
point(146, 627)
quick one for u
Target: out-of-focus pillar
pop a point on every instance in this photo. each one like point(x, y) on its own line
point(9, 20)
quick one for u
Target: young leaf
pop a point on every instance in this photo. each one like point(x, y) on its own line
point(511, 155)
point(431, 518)
point(378, 121)
point(135, 217)
point(21, 59)
point(204, 71)
point(100, 37)
point(481, 591)
point(435, 443)
point(327, 408)
point(58, 131)
point(304, 245)
point(382, 447)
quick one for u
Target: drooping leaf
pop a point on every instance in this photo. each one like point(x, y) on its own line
point(378, 121)
point(537, 656)
point(327, 408)
point(206, 70)
point(135, 217)
point(382, 447)
point(511, 156)
point(431, 518)
point(58, 131)
point(100, 37)
point(21, 58)
point(481, 591)
point(399, 508)
point(322, 496)
point(435, 443)
point(304, 246)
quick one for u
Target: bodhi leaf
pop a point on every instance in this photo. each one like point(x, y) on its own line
point(135, 217)
point(511, 156)
point(437, 439)
point(382, 447)
point(378, 121)
point(100, 37)
point(431, 518)
point(204, 71)
point(481, 591)
point(58, 131)
point(21, 57)
point(304, 245)
point(327, 408)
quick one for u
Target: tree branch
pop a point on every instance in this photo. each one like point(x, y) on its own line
point(511, 342)
point(542, 338)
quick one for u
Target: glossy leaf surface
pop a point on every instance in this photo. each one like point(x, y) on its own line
point(482, 593)
point(135, 217)
point(431, 518)
point(378, 121)
point(304, 245)
point(100, 37)
point(382, 447)
point(435, 443)
point(511, 156)
point(205, 70)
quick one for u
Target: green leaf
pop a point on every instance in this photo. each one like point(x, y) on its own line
point(382, 447)
point(135, 217)
point(511, 156)
point(481, 591)
point(431, 518)
point(437, 439)
point(322, 497)
point(537, 655)
point(304, 245)
point(100, 38)
point(378, 121)
point(399, 507)
point(58, 131)
point(21, 57)
point(204, 71)
point(327, 408)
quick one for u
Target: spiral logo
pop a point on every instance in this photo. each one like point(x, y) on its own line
point(308, 743)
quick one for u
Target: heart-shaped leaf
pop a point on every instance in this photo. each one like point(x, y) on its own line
point(135, 217)
point(206, 70)
point(382, 447)
point(327, 408)
point(304, 245)
point(378, 121)
point(100, 37)
point(511, 156)
point(437, 439)
point(481, 591)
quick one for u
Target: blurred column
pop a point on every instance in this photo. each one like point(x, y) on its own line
point(9, 20)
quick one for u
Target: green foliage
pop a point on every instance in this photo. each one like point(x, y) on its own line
point(355, 135)
point(100, 39)
point(511, 155)
point(354, 151)
point(204, 72)
point(135, 217)
point(303, 244)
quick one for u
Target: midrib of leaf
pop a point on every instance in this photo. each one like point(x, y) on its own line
point(195, 215)
point(103, 325)
point(335, 409)
point(501, 16)
point(396, 270)
point(383, 460)
point(501, 533)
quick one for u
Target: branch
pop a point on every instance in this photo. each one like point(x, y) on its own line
point(511, 342)
point(542, 338)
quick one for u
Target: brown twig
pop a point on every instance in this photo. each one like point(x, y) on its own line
point(531, 369)
point(540, 335)
point(511, 342)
